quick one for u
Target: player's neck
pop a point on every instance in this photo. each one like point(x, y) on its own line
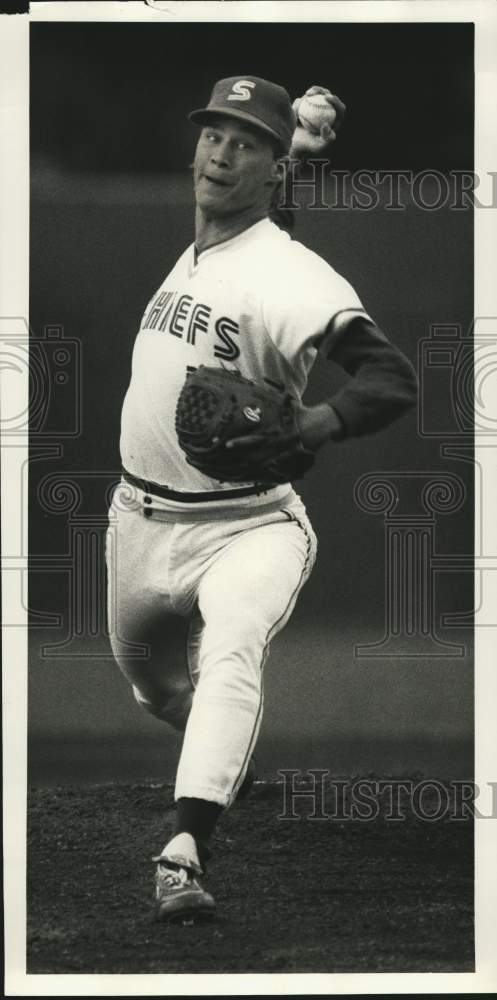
point(210, 231)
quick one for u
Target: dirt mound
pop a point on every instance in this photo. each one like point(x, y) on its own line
point(293, 895)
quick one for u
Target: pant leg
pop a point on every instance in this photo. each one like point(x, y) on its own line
point(245, 597)
point(148, 639)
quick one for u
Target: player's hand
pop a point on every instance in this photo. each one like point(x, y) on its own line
point(265, 445)
point(306, 144)
point(316, 425)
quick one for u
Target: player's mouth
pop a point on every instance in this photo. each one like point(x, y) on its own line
point(216, 182)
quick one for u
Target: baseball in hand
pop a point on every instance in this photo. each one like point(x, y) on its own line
point(315, 111)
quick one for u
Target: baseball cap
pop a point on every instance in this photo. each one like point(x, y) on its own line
point(251, 99)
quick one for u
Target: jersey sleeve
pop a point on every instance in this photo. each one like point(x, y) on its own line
point(383, 383)
point(306, 302)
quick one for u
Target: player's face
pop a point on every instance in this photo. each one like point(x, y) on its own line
point(235, 168)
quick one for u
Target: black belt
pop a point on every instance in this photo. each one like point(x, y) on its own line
point(167, 494)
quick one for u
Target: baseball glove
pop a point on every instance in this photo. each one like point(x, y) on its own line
point(237, 431)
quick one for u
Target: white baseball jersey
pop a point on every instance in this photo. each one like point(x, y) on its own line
point(257, 303)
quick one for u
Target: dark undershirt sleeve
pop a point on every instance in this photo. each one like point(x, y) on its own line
point(383, 382)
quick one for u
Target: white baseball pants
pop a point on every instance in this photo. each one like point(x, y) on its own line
point(192, 610)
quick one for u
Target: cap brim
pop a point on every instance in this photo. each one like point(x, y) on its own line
point(204, 115)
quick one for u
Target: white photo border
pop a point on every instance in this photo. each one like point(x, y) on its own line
point(14, 296)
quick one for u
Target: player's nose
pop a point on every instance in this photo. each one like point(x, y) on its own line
point(222, 154)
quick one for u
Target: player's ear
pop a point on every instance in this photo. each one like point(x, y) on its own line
point(278, 168)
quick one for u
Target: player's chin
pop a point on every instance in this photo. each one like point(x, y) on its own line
point(218, 201)
point(210, 191)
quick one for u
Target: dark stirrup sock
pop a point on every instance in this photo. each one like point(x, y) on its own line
point(197, 817)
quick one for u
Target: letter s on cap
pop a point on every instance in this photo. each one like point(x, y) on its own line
point(240, 90)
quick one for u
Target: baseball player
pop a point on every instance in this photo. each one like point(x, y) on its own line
point(203, 571)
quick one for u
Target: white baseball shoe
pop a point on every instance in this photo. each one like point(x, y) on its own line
point(179, 895)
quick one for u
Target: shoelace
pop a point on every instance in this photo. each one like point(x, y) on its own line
point(172, 877)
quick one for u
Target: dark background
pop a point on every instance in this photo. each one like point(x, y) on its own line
point(115, 96)
point(111, 210)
